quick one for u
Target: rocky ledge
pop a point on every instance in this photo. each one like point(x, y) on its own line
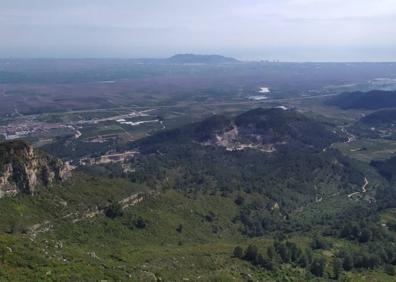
point(23, 169)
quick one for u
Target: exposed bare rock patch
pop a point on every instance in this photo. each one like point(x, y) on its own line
point(23, 169)
point(232, 141)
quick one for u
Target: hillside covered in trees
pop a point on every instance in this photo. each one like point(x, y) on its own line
point(375, 99)
point(260, 196)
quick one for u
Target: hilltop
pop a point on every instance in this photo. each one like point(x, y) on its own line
point(281, 154)
point(263, 129)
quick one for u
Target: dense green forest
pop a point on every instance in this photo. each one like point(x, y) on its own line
point(210, 202)
point(382, 117)
point(375, 99)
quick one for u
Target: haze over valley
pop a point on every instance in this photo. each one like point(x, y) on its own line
point(197, 141)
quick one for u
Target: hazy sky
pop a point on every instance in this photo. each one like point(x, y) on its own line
point(294, 30)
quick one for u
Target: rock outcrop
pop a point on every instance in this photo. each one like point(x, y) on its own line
point(23, 169)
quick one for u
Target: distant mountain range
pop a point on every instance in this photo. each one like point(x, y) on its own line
point(371, 100)
point(201, 59)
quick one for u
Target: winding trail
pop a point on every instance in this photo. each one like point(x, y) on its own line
point(364, 188)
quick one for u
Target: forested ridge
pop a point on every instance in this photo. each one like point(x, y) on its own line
point(216, 194)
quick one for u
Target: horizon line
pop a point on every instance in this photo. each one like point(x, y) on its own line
point(164, 58)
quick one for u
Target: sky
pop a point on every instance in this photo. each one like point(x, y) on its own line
point(285, 30)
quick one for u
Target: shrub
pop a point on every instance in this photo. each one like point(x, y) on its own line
point(140, 223)
point(238, 252)
point(264, 262)
point(114, 210)
point(179, 228)
point(251, 253)
point(319, 243)
point(239, 200)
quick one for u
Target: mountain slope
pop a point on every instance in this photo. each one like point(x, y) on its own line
point(386, 168)
point(260, 128)
point(197, 194)
point(282, 155)
point(376, 125)
point(371, 100)
point(383, 117)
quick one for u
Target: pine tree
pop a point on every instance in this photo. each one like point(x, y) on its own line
point(318, 267)
point(347, 263)
point(271, 252)
point(337, 268)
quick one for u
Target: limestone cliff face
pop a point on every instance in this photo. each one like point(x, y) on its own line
point(23, 169)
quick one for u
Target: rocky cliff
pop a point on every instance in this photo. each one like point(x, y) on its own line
point(23, 169)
